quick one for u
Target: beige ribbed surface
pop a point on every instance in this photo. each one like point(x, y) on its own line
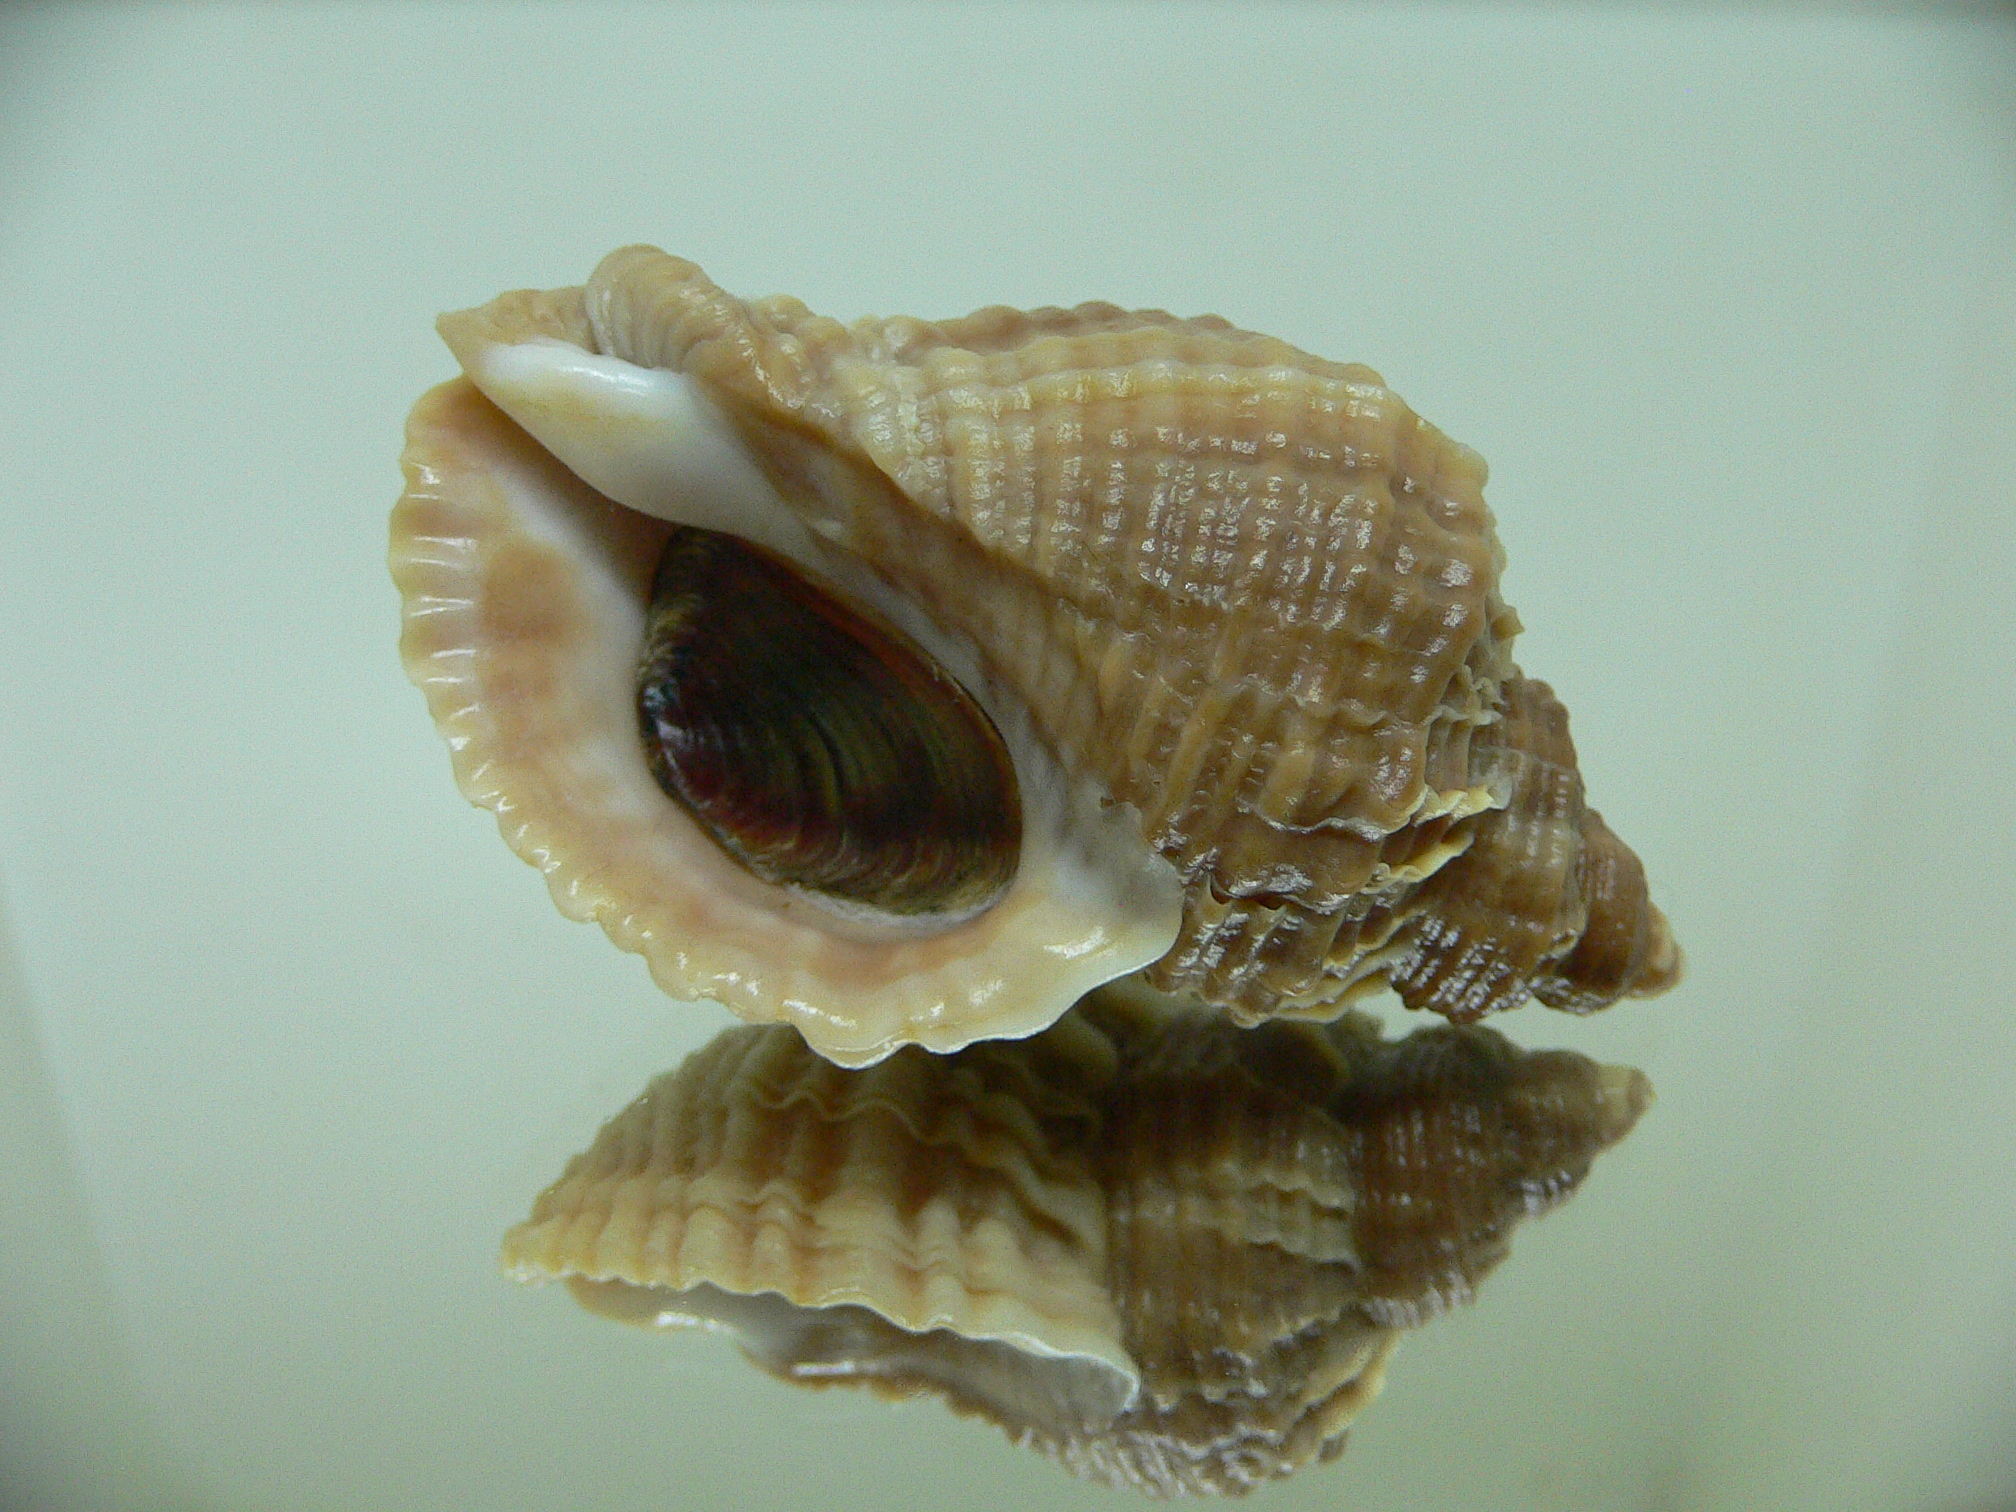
point(1169, 1252)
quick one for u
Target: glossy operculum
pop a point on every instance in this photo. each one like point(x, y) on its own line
point(820, 748)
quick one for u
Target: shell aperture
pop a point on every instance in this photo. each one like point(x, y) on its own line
point(819, 748)
point(527, 596)
point(1170, 1253)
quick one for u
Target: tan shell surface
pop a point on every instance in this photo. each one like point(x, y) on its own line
point(1246, 592)
point(1168, 1252)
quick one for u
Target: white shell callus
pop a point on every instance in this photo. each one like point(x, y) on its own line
point(1171, 1253)
point(1232, 610)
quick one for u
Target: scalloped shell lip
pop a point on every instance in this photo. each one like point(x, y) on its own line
point(524, 593)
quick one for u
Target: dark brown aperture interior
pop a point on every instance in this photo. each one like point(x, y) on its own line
point(818, 746)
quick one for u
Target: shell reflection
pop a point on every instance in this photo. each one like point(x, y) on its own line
point(1171, 1253)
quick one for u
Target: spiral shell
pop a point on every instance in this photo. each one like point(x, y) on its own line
point(1168, 1252)
point(1233, 609)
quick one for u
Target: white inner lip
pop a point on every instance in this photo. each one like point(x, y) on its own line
point(652, 440)
point(649, 438)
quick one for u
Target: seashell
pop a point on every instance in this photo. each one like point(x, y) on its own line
point(1231, 610)
point(527, 599)
point(1168, 1252)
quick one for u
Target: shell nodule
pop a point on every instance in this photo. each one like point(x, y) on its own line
point(1169, 1252)
point(1220, 616)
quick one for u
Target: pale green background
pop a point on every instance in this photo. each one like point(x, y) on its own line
point(287, 1037)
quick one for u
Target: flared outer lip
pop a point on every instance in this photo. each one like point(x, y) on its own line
point(524, 599)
